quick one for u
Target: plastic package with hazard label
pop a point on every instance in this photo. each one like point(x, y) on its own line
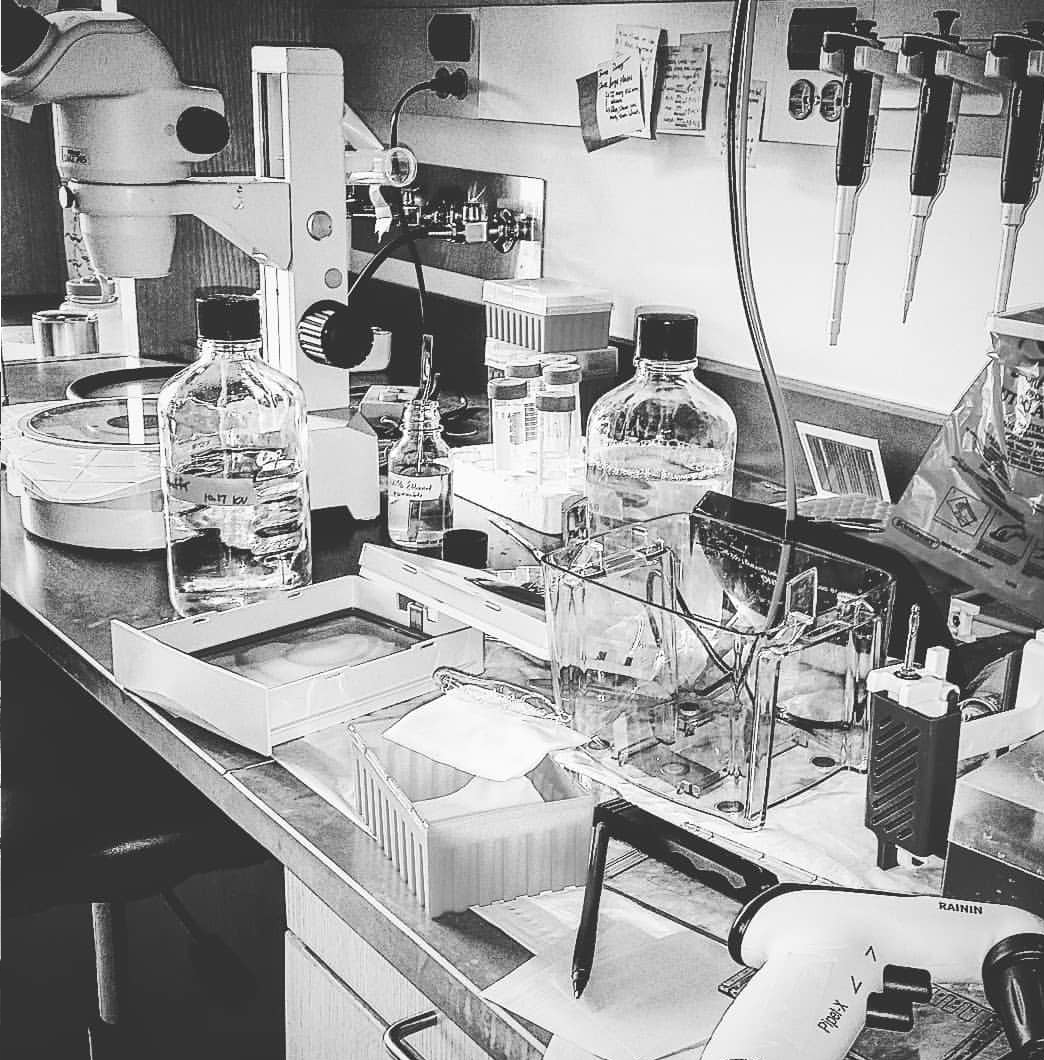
point(975, 507)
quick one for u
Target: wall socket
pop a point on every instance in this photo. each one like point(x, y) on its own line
point(429, 103)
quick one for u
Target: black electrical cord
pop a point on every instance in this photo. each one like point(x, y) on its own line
point(381, 254)
point(431, 85)
point(445, 84)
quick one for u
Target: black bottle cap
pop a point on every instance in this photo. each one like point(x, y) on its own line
point(229, 317)
point(666, 336)
point(466, 547)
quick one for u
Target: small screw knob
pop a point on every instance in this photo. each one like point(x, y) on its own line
point(865, 27)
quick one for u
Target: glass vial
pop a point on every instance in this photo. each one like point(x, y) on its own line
point(556, 439)
point(420, 480)
point(564, 378)
point(530, 372)
point(507, 424)
point(234, 449)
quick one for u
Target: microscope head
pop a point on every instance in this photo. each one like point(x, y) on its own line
point(123, 119)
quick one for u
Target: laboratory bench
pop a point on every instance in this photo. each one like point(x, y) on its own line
point(360, 951)
point(351, 921)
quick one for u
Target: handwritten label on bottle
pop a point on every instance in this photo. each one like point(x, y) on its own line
point(204, 489)
point(414, 487)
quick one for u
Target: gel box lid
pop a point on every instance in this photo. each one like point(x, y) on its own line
point(453, 590)
point(546, 296)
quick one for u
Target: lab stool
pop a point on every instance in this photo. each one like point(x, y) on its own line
point(92, 816)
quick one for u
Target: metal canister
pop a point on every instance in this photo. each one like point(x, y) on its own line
point(65, 333)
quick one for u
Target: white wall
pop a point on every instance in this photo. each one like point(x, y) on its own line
point(649, 220)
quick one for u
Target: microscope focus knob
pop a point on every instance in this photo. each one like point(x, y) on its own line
point(331, 333)
point(202, 131)
point(889, 1012)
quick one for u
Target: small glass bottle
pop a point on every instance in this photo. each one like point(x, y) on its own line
point(564, 378)
point(557, 448)
point(234, 450)
point(420, 480)
point(507, 424)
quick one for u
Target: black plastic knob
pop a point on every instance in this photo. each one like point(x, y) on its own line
point(865, 27)
point(332, 333)
point(1013, 978)
point(912, 983)
point(889, 1012)
point(202, 131)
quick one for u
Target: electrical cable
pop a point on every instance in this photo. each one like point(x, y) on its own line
point(393, 141)
point(381, 254)
point(741, 50)
point(430, 85)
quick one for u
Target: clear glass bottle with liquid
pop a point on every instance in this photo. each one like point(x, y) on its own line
point(658, 442)
point(420, 480)
point(234, 449)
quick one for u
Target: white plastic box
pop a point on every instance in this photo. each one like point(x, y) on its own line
point(219, 670)
point(547, 315)
point(455, 863)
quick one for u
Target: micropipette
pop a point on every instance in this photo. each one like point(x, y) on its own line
point(938, 106)
point(855, 144)
point(1023, 155)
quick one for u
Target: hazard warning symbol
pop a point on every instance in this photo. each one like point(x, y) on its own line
point(963, 512)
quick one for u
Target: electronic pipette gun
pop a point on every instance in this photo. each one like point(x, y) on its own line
point(831, 962)
point(857, 131)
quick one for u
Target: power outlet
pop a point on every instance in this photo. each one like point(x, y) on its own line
point(446, 43)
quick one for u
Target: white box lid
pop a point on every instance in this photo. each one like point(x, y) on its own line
point(546, 296)
point(446, 587)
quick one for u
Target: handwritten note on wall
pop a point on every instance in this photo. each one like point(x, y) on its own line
point(684, 88)
point(619, 100)
point(643, 43)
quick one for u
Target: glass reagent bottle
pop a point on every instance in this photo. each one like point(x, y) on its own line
point(420, 483)
point(234, 450)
